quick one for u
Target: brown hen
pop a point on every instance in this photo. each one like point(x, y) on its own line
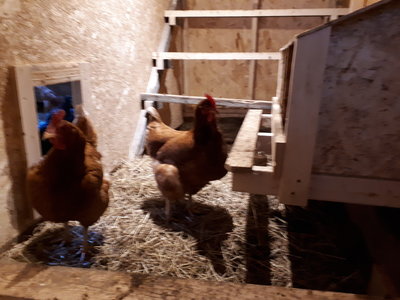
point(186, 160)
point(67, 184)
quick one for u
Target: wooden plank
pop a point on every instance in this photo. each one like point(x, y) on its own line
point(27, 106)
point(76, 92)
point(31, 281)
point(137, 144)
point(173, 14)
point(357, 4)
point(85, 84)
point(254, 48)
point(254, 104)
point(216, 56)
point(278, 140)
point(302, 116)
point(259, 180)
point(241, 157)
point(355, 190)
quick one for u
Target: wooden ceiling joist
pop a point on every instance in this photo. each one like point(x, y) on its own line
point(172, 15)
point(251, 104)
point(160, 57)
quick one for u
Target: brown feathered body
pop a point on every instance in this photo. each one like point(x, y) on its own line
point(186, 160)
point(67, 184)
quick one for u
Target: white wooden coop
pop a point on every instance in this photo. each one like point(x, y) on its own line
point(334, 120)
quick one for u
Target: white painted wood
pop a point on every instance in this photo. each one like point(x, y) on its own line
point(85, 84)
point(159, 56)
point(136, 147)
point(76, 92)
point(260, 181)
point(226, 102)
point(278, 140)
point(173, 14)
point(355, 190)
point(29, 76)
point(241, 157)
point(27, 106)
point(302, 116)
point(46, 74)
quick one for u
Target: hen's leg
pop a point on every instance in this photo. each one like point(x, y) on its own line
point(167, 177)
point(189, 205)
point(67, 236)
point(85, 246)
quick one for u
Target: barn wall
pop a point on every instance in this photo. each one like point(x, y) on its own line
point(359, 125)
point(231, 78)
point(116, 37)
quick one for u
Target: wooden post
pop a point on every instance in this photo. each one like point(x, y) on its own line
point(254, 48)
point(26, 99)
point(302, 115)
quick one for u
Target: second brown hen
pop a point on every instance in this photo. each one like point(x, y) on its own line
point(186, 161)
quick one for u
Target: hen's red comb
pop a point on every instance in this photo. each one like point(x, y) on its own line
point(211, 99)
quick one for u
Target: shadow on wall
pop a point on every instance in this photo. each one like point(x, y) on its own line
point(21, 214)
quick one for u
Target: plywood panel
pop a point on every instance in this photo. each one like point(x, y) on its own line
point(231, 79)
point(359, 131)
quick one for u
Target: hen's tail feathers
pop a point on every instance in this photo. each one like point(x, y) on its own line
point(83, 123)
point(153, 114)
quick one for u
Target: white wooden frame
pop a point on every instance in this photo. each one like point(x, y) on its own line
point(137, 144)
point(29, 76)
point(226, 102)
point(333, 13)
point(309, 60)
point(160, 57)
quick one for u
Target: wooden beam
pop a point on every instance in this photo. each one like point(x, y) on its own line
point(217, 55)
point(33, 281)
point(254, 48)
point(259, 180)
point(278, 141)
point(137, 145)
point(26, 100)
point(227, 102)
point(310, 12)
point(355, 190)
point(45, 74)
point(302, 116)
point(357, 4)
point(241, 157)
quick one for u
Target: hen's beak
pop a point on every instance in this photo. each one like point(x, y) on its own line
point(48, 135)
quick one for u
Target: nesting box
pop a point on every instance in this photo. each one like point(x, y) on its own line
point(336, 118)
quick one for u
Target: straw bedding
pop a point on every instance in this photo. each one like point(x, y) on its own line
point(231, 236)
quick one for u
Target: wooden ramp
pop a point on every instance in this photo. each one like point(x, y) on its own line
point(28, 281)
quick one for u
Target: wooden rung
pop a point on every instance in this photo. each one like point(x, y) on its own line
point(253, 104)
point(241, 157)
point(266, 116)
point(278, 141)
point(217, 55)
point(265, 134)
point(308, 12)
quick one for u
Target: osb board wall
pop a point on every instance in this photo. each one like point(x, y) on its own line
point(116, 37)
point(359, 124)
point(231, 78)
